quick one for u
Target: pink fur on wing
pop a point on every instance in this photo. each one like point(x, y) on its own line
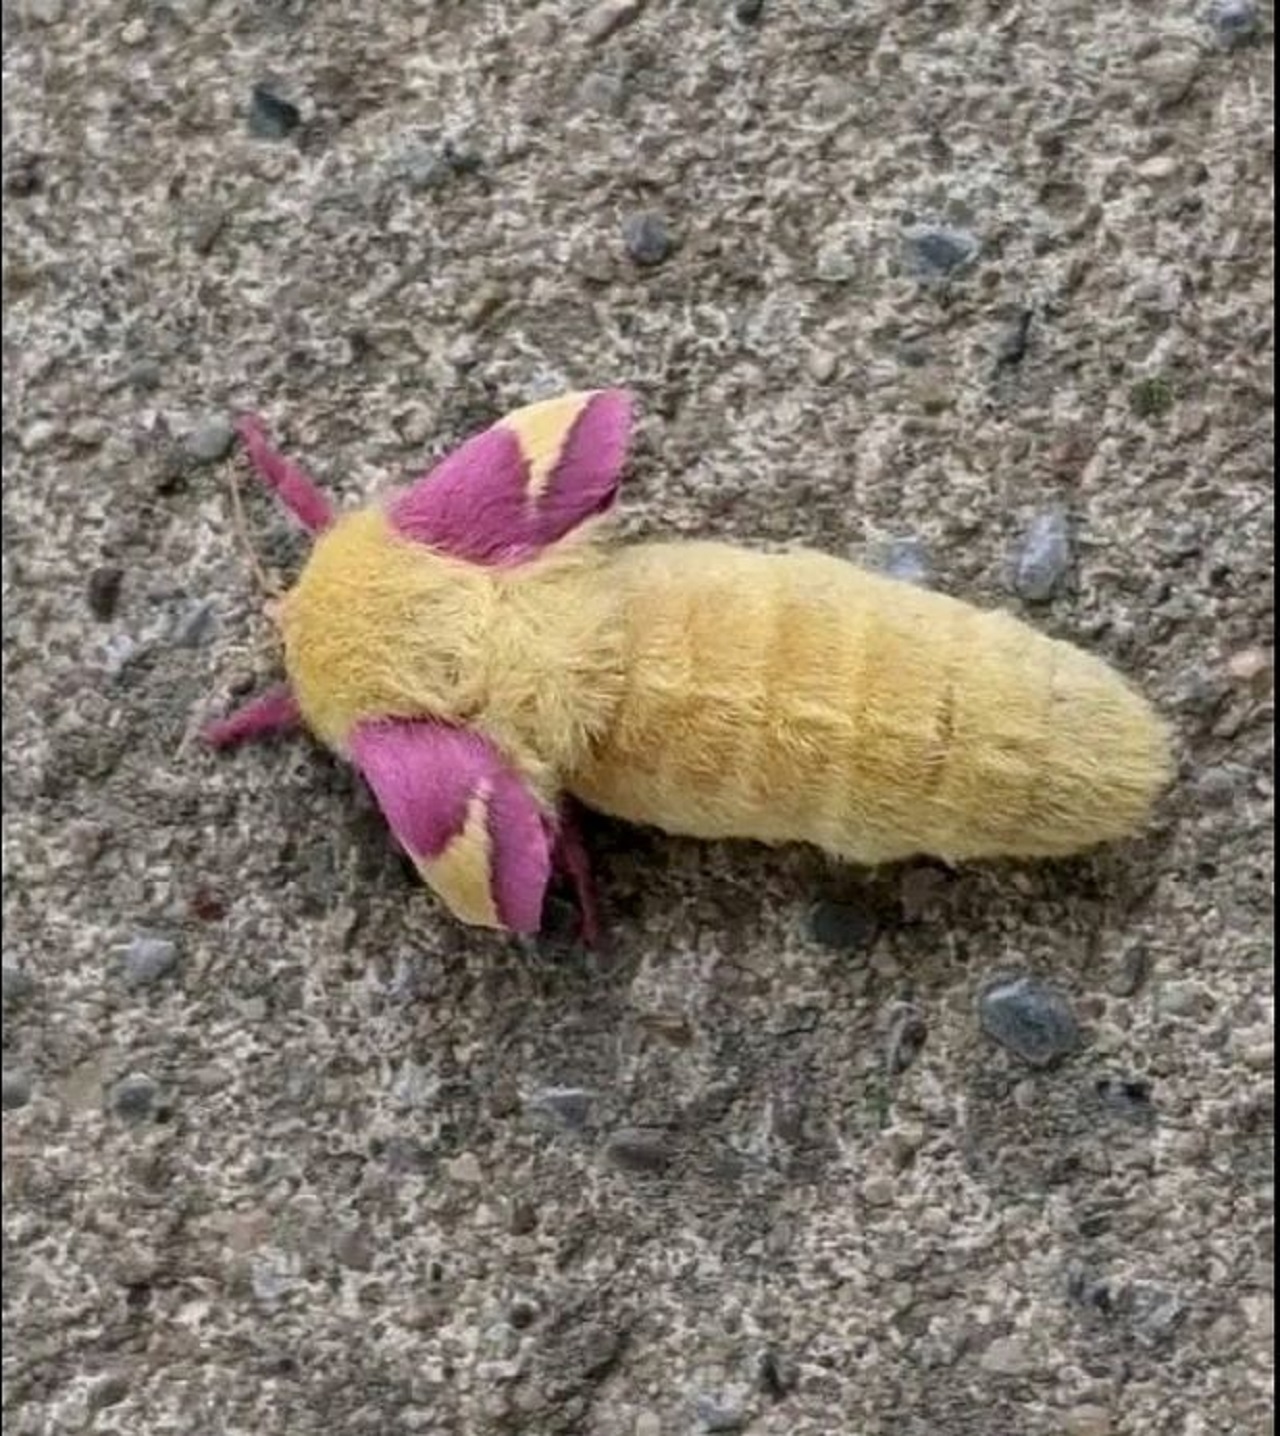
point(297, 491)
point(476, 504)
point(276, 711)
point(425, 774)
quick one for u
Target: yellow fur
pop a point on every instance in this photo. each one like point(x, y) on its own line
point(715, 691)
point(461, 874)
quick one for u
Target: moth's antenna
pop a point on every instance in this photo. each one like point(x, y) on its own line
point(259, 574)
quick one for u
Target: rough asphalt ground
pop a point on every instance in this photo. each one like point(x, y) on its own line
point(287, 1151)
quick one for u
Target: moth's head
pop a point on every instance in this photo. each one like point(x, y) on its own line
point(397, 578)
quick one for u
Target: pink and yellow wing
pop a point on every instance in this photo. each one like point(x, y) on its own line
point(471, 825)
point(524, 484)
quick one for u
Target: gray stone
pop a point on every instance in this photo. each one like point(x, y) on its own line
point(607, 17)
point(718, 1416)
point(18, 985)
point(936, 251)
point(134, 1097)
point(103, 591)
point(15, 1089)
point(1043, 557)
point(637, 1149)
point(270, 116)
point(568, 1106)
point(1029, 1019)
point(1234, 22)
point(147, 959)
point(647, 239)
point(211, 441)
point(905, 559)
point(196, 624)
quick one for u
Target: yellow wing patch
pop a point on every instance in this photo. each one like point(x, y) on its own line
point(542, 429)
point(461, 874)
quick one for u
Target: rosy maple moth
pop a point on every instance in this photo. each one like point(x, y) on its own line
point(484, 651)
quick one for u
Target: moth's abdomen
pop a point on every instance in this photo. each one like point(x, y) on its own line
point(797, 698)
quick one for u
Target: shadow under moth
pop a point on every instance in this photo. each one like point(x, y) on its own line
point(484, 652)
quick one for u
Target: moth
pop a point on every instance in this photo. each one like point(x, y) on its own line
point(486, 652)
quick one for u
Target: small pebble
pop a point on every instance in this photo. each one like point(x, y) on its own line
point(647, 239)
point(18, 985)
point(466, 1168)
point(38, 436)
point(134, 33)
point(908, 1032)
point(635, 1150)
point(822, 364)
point(1132, 972)
point(608, 17)
point(103, 591)
point(15, 1090)
point(1153, 1312)
point(270, 117)
point(148, 959)
point(1250, 664)
point(879, 1190)
point(1185, 998)
point(569, 1106)
point(1029, 1019)
point(845, 927)
point(907, 560)
point(718, 1417)
point(1012, 347)
point(134, 1097)
point(1007, 1356)
point(109, 1390)
point(747, 12)
point(776, 1376)
point(195, 624)
point(936, 251)
point(1087, 1421)
point(1234, 22)
point(1128, 1098)
point(1043, 558)
point(210, 442)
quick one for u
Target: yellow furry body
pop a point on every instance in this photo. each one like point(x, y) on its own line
point(719, 692)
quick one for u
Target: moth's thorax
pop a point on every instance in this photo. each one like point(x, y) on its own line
point(381, 626)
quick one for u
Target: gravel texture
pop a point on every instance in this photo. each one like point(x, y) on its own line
point(345, 1168)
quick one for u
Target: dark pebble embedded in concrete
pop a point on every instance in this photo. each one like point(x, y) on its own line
point(843, 926)
point(633, 1149)
point(937, 251)
point(103, 591)
point(647, 239)
point(270, 116)
point(719, 1417)
point(748, 12)
point(148, 959)
point(15, 1090)
point(211, 441)
point(1043, 557)
point(134, 1097)
point(1029, 1019)
point(18, 985)
point(569, 1106)
point(905, 559)
point(1234, 22)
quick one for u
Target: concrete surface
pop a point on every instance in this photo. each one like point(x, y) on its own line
point(312, 1167)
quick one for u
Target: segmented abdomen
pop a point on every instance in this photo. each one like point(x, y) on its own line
point(793, 697)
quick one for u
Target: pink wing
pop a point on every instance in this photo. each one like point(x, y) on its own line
point(524, 484)
point(476, 833)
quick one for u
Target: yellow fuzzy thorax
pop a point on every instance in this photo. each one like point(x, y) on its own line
point(379, 626)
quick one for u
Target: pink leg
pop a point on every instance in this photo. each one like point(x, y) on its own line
point(275, 712)
point(571, 857)
point(298, 492)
